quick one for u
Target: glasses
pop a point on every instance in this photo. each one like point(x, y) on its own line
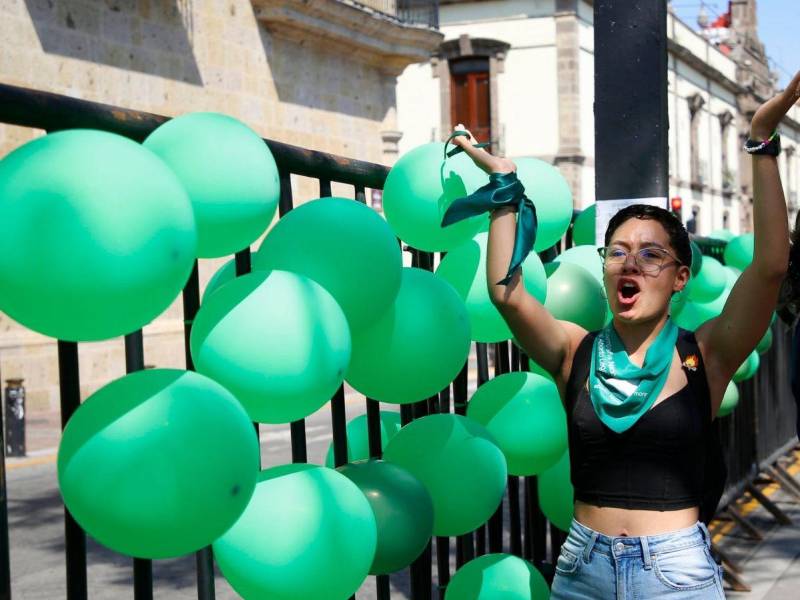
point(649, 260)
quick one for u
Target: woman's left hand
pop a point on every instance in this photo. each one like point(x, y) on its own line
point(769, 114)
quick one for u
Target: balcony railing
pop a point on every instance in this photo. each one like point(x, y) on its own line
point(411, 12)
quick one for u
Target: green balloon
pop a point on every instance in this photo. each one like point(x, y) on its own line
point(586, 257)
point(344, 246)
point(729, 401)
point(358, 436)
point(417, 347)
point(308, 532)
point(550, 194)
point(733, 274)
point(583, 228)
point(420, 187)
point(697, 258)
point(538, 369)
point(277, 340)
point(710, 281)
point(739, 251)
point(464, 268)
point(765, 343)
point(524, 413)
point(229, 173)
point(99, 235)
point(721, 234)
point(226, 273)
point(748, 368)
point(403, 512)
point(495, 577)
point(459, 463)
point(158, 463)
point(693, 314)
point(574, 295)
point(677, 303)
point(556, 494)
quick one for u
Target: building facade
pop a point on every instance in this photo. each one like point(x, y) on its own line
point(521, 74)
point(319, 74)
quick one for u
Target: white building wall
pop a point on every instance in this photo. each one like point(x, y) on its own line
point(418, 107)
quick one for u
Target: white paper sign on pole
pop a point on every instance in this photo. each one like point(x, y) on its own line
point(608, 208)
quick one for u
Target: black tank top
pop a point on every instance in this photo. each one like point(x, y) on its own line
point(670, 459)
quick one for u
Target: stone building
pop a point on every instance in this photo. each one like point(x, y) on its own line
point(315, 73)
point(521, 74)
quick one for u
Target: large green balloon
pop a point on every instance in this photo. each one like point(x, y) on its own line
point(583, 228)
point(465, 269)
point(308, 532)
point(709, 282)
point(729, 401)
point(98, 235)
point(748, 368)
point(524, 413)
point(732, 274)
point(766, 342)
point(496, 577)
point(556, 494)
point(550, 194)
point(693, 314)
point(344, 246)
point(277, 340)
point(230, 176)
point(417, 347)
point(739, 251)
point(420, 187)
point(403, 512)
point(358, 436)
point(574, 295)
point(158, 463)
point(459, 463)
point(697, 258)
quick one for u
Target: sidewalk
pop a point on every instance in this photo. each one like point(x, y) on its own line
point(771, 567)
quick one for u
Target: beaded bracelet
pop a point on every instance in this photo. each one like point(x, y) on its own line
point(770, 146)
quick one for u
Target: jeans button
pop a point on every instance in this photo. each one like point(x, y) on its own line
point(620, 547)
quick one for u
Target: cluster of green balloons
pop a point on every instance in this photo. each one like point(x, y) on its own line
point(494, 576)
point(110, 228)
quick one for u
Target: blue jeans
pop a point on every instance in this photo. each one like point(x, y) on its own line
point(593, 566)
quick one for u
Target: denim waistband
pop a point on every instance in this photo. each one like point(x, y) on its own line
point(588, 540)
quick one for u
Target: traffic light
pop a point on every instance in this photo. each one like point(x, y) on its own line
point(676, 205)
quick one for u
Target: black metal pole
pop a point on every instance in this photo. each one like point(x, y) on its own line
point(74, 536)
point(339, 427)
point(142, 568)
point(5, 555)
point(204, 560)
point(514, 516)
point(630, 99)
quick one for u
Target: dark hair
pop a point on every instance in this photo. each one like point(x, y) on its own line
point(678, 237)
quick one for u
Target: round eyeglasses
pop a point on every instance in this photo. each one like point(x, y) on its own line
point(649, 260)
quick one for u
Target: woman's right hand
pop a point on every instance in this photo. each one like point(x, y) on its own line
point(463, 140)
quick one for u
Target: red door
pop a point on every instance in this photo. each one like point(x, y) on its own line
point(469, 103)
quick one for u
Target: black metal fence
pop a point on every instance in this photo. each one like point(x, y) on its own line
point(411, 12)
point(759, 428)
point(526, 531)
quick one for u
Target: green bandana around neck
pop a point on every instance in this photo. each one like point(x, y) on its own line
point(622, 392)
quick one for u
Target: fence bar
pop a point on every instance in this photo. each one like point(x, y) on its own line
point(443, 563)
point(5, 557)
point(374, 428)
point(142, 568)
point(45, 110)
point(339, 425)
point(324, 188)
point(204, 561)
point(74, 537)
point(514, 516)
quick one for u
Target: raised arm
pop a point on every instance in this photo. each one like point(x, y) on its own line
point(728, 339)
point(545, 339)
